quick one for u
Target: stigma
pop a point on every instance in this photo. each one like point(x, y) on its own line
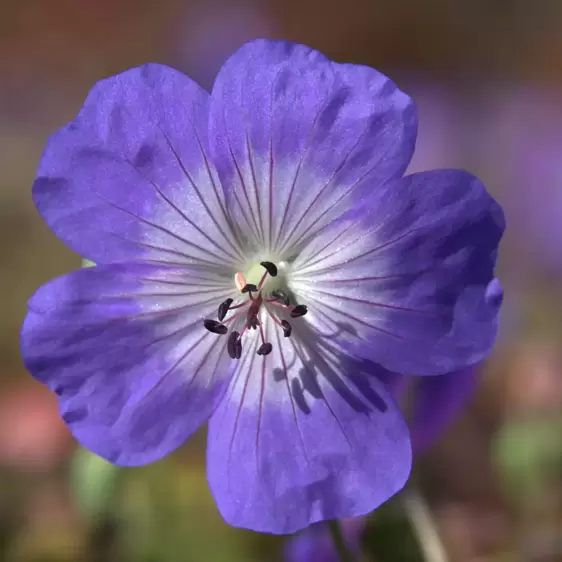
point(266, 294)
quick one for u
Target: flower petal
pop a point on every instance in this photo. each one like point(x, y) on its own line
point(130, 177)
point(407, 279)
point(293, 134)
point(302, 435)
point(437, 401)
point(124, 348)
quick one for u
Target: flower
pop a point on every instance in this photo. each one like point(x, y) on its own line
point(432, 403)
point(521, 145)
point(260, 260)
point(316, 545)
point(205, 38)
point(443, 127)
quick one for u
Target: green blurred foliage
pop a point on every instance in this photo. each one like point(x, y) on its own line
point(529, 455)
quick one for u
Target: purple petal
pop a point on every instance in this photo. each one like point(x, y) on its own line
point(317, 437)
point(437, 401)
point(316, 545)
point(408, 278)
point(294, 134)
point(130, 177)
point(124, 348)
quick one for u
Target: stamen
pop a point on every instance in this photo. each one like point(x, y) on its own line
point(299, 310)
point(270, 267)
point(287, 328)
point(251, 309)
point(248, 288)
point(234, 345)
point(237, 315)
point(264, 349)
point(282, 296)
point(224, 308)
point(215, 327)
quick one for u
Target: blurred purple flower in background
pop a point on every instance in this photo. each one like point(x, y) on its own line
point(522, 146)
point(261, 264)
point(208, 35)
point(316, 545)
point(442, 130)
point(436, 402)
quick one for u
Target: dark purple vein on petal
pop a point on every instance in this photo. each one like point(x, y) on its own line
point(343, 196)
point(185, 217)
point(156, 226)
point(328, 405)
point(161, 294)
point(211, 215)
point(256, 188)
point(183, 357)
point(241, 404)
point(251, 162)
point(304, 154)
point(297, 278)
point(241, 179)
point(189, 259)
point(359, 256)
point(227, 399)
point(287, 241)
point(323, 304)
point(213, 285)
point(290, 394)
point(309, 259)
point(220, 201)
point(371, 303)
point(180, 163)
point(245, 190)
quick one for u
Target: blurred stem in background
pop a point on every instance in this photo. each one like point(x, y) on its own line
point(404, 529)
point(335, 530)
point(95, 485)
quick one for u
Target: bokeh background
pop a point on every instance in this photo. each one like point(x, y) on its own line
point(487, 77)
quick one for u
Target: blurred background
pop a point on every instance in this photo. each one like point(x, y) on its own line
point(487, 77)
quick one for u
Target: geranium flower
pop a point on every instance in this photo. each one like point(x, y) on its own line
point(260, 260)
point(436, 402)
point(316, 545)
point(432, 404)
point(521, 146)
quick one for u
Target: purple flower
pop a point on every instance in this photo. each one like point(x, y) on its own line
point(260, 260)
point(434, 403)
point(316, 545)
point(205, 38)
point(522, 146)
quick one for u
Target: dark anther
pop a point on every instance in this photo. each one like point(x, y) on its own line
point(264, 349)
point(249, 288)
point(234, 345)
point(270, 267)
point(281, 295)
point(215, 327)
point(223, 309)
point(287, 328)
point(299, 310)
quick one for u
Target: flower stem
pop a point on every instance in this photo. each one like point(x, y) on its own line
point(335, 531)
